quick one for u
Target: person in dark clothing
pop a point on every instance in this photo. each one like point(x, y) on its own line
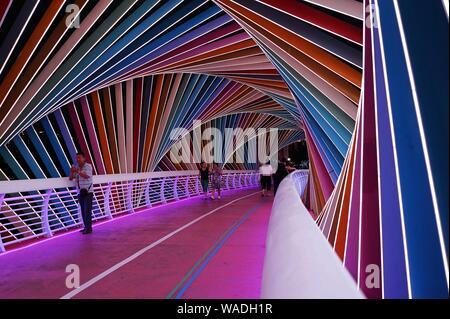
point(281, 173)
point(289, 167)
point(204, 177)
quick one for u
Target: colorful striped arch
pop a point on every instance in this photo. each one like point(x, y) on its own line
point(362, 82)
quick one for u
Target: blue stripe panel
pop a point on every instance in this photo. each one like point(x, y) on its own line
point(395, 283)
point(429, 55)
point(66, 134)
point(427, 273)
point(37, 143)
point(28, 157)
point(56, 146)
point(12, 163)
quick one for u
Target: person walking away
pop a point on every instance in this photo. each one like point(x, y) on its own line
point(289, 167)
point(204, 178)
point(279, 175)
point(81, 172)
point(266, 172)
point(216, 180)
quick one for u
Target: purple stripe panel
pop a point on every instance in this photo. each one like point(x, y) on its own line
point(394, 267)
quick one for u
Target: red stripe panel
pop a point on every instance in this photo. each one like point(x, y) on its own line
point(318, 18)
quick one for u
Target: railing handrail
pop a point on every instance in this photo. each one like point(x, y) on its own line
point(301, 171)
point(52, 205)
point(28, 185)
point(299, 261)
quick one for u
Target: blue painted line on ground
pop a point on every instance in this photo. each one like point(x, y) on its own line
point(214, 252)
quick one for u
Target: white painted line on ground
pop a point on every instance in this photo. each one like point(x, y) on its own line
point(145, 249)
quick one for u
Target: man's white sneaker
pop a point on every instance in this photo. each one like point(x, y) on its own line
point(212, 197)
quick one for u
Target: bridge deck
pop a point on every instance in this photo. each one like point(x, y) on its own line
point(194, 248)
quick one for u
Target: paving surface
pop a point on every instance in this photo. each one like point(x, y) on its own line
point(194, 248)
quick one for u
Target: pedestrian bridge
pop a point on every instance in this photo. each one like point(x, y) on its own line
point(359, 84)
point(156, 236)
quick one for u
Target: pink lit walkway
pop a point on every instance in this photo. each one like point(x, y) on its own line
point(190, 249)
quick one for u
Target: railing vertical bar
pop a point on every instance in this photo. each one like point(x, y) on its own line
point(44, 213)
point(80, 216)
point(186, 186)
point(148, 202)
point(129, 199)
point(175, 190)
point(2, 246)
point(161, 192)
point(106, 200)
point(197, 181)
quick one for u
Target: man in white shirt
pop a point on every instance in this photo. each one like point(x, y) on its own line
point(82, 173)
point(266, 172)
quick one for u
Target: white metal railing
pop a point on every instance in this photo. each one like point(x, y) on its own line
point(299, 261)
point(41, 207)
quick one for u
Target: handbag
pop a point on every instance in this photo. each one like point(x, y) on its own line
point(83, 191)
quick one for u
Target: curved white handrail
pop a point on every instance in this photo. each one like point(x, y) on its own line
point(28, 185)
point(299, 261)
